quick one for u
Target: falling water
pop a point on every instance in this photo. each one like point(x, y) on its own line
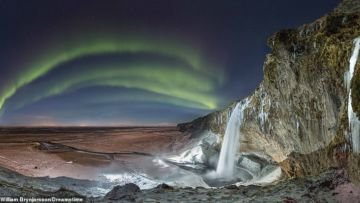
point(354, 123)
point(230, 145)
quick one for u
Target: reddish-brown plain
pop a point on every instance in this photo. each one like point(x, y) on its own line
point(19, 148)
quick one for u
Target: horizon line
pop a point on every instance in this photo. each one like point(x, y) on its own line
point(83, 126)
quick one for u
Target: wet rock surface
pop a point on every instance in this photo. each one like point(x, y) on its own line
point(332, 186)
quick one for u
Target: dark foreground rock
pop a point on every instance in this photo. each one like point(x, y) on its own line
point(126, 192)
point(331, 186)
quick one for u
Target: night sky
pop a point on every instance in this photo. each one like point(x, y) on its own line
point(130, 62)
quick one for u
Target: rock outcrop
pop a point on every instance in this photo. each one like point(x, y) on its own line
point(298, 114)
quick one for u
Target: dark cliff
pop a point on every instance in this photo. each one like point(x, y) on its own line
point(298, 114)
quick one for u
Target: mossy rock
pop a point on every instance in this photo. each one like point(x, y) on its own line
point(270, 70)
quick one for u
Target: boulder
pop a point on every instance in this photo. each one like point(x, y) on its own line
point(127, 191)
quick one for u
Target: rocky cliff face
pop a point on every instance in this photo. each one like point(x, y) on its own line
point(297, 115)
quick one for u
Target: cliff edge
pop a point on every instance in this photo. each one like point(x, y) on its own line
point(298, 114)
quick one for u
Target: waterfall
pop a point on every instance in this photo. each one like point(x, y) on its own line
point(230, 144)
point(354, 123)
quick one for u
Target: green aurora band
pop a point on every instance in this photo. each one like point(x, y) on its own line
point(176, 82)
point(189, 86)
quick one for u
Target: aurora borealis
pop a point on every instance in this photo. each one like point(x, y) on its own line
point(130, 62)
point(166, 79)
